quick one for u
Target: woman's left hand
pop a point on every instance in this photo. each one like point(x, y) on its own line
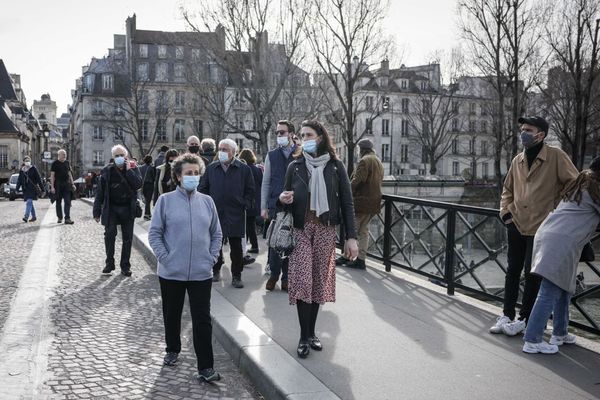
point(351, 249)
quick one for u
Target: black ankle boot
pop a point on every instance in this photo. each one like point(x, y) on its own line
point(303, 348)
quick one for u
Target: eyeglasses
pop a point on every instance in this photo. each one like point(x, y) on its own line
point(281, 133)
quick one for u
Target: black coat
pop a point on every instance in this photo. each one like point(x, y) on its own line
point(339, 195)
point(27, 180)
point(257, 175)
point(102, 200)
point(233, 194)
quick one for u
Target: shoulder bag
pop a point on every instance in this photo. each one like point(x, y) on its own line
point(280, 235)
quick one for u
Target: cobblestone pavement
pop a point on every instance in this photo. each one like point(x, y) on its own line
point(108, 340)
point(17, 239)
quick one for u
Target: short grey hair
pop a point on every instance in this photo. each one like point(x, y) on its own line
point(230, 143)
point(62, 151)
point(118, 147)
point(208, 144)
point(191, 138)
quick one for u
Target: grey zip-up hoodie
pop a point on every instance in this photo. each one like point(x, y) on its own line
point(185, 235)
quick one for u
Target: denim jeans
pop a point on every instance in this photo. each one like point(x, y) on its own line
point(551, 300)
point(278, 266)
point(29, 209)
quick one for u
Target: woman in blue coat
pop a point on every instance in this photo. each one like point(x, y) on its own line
point(31, 182)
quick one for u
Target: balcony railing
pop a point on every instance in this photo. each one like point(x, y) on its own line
point(463, 247)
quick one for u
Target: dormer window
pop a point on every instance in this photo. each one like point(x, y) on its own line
point(404, 84)
point(107, 81)
point(423, 85)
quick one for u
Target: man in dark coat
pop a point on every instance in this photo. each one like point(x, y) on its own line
point(366, 192)
point(115, 204)
point(208, 146)
point(230, 184)
point(160, 157)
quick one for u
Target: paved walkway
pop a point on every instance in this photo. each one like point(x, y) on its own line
point(392, 336)
point(72, 333)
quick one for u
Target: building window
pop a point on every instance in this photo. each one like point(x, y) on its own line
point(97, 107)
point(195, 54)
point(3, 156)
point(385, 152)
point(404, 84)
point(385, 103)
point(161, 130)
point(485, 170)
point(98, 135)
point(143, 127)
point(473, 169)
point(426, 128)
point(119, 133)
point(162, 103)
point(88, 83)
point(179, 52)
point(484, 126)
point(472, 126)
point(369, 103)
point(118, 108)
point(405, 103)
point(455, 168)
point(424, 155)
point(454, 146)
point(196, 104)
point(98, 157)
point(472, 108)
point(179, 101)
point(199, 128)
point(455, 107)
point(472, 146)
point(142, 71)
point(385, 127)
point(404, 131)
point(483, 109)
point(162, 72)
point(179, 130)
point(179, 72)
point(484, 148)
point(162, 51)
point(423, 85)
point(368, 126)
point(454, 125)
point(143, 100)
point(143, 50)
point(107, 82)
point(426, 107)
point(404, 153)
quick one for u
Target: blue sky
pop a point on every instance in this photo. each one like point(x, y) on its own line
point(47, 42)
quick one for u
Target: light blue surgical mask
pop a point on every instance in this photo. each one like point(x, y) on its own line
point(283, 141)
point(190, 182)
point(119, 161)
point(309, 146)
point(223, 156)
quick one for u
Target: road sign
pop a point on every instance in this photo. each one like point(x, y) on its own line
point(47, 155)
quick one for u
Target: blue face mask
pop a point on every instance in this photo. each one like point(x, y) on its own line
point(119, 161)
point(190, 182)
point(309, 146)
point(223, 156)
point(528, 139)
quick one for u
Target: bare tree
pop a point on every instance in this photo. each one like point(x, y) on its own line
point(572, 92)
point(345, 35)
point(256, 70)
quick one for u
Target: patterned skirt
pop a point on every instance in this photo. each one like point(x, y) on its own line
point(311, 271)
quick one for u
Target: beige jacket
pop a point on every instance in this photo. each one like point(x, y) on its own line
point(530, 195)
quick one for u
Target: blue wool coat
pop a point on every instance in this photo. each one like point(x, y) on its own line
point(232, 192)
point(27, 180)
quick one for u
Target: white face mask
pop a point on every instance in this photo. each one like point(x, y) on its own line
point(223, 156)
point(282, 141)
point(27, 163)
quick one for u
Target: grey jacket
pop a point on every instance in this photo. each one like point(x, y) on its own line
point(185, 235)
point(560, 239)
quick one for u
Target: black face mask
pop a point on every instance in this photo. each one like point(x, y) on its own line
point(194, 149)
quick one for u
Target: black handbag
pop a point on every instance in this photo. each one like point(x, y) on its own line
point(587, 253)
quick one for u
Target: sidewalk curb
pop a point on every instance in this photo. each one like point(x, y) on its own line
point(281, 376)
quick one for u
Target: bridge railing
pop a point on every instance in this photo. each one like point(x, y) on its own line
point(463, 247)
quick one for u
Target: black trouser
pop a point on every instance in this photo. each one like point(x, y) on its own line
point(235, 252)
point(119, 215)
point(63, 192)
point(148, 191)
point(519, 257)
point(251, 231)
point(173, 296)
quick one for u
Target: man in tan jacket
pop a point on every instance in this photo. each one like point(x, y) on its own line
point(532, 189)
point(366, 193)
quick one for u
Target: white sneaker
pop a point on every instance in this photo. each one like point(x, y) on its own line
point(500, 321)
point(560, 340)
point(542, 347)
point(514, 328)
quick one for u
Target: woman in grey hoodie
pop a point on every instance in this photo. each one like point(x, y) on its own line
point(185, 236)
point(557, 248)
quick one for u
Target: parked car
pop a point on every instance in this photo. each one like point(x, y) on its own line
point(12, 188)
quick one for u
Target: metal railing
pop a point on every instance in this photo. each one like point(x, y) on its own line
point(463, 247)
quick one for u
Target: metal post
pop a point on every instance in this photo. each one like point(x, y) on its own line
point(449, 267)
point(387, 227)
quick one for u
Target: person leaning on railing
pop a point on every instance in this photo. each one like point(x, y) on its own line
point(532, 189)
point(317, 192)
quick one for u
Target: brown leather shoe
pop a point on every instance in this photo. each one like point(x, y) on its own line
point(284, 286)
point(271, 284)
